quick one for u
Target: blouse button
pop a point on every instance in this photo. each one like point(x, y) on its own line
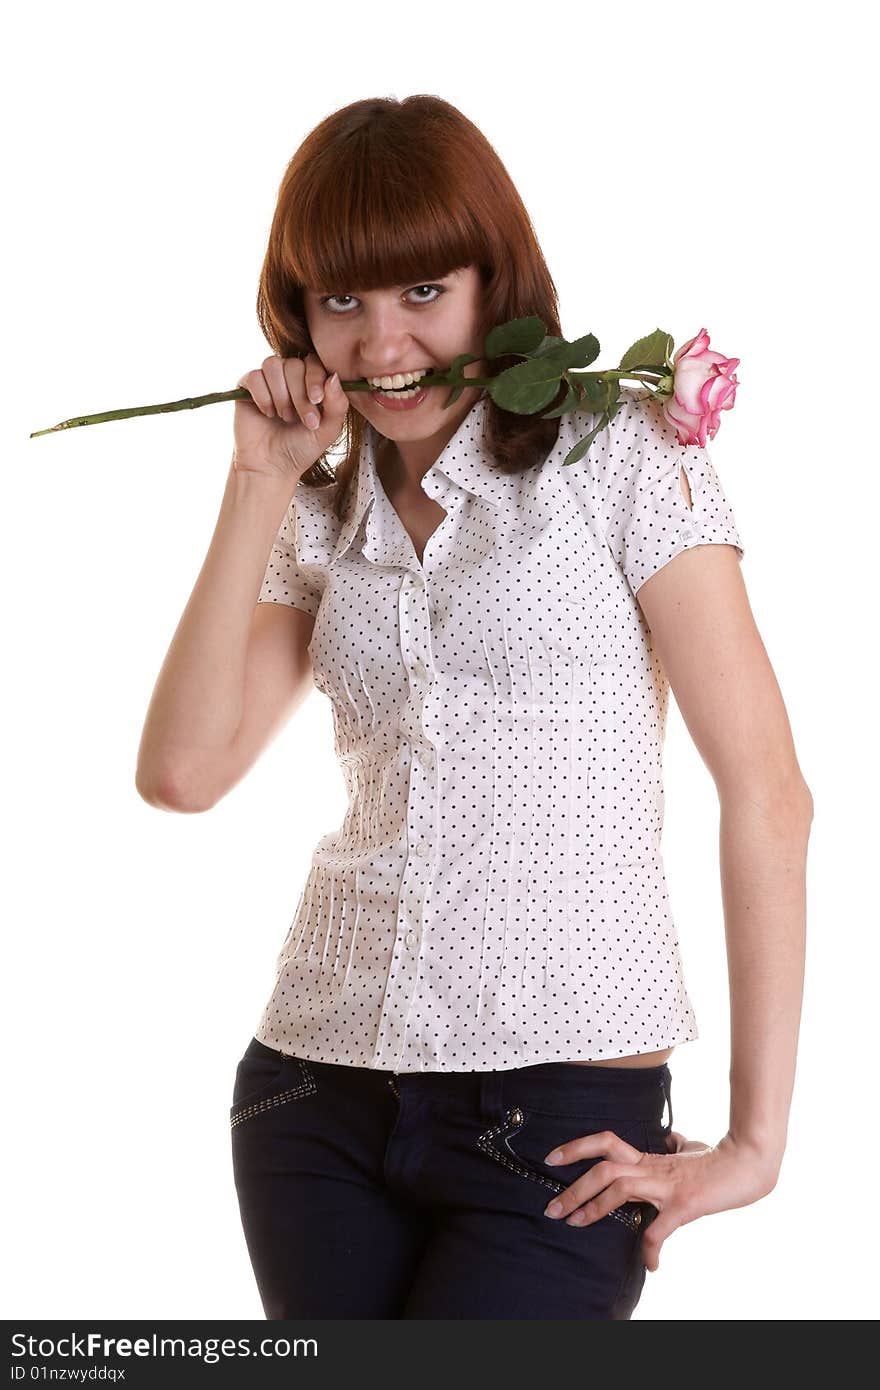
point(423, 848)
point(410, 938)
point(686, 532)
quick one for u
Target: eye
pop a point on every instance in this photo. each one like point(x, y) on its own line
point(438, 290)
point(327, 297)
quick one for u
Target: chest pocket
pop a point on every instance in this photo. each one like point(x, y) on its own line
point(593, 626)
point(544, 651)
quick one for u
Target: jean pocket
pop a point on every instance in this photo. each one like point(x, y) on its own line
point(522, 1139)
point(265, 1079)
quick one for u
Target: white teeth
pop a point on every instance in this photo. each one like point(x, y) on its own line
point(407, 394)
point(392, 383)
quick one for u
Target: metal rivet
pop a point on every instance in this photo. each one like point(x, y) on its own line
point(516, 1117)
point(638, 1218)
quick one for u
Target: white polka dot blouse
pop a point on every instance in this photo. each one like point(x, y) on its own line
point(495, 896)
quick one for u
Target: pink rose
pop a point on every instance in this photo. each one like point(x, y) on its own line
point(703, 386)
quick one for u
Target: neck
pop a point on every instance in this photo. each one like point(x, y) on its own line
point(398, 473)
point(403, 465)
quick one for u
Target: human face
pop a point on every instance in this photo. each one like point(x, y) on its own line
point(381, 332)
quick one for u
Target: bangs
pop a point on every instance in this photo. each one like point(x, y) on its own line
point(380, 214)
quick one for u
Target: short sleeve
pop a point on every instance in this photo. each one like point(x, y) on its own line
point(285, 580)
point(647, 520)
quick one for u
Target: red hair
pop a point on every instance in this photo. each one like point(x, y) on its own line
point(385, 192)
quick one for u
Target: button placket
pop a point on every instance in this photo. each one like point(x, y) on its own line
point(418, 866)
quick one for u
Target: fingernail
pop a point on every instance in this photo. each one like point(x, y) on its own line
point(312, 420)
point(554, 1157)
point(315, 394)
point(554, 1209)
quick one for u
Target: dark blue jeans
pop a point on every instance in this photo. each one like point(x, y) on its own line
point(369, 1195)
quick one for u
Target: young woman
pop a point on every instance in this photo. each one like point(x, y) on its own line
point(457, 1101)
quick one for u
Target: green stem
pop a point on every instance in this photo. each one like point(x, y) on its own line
point(241, 393)
point(189, 403)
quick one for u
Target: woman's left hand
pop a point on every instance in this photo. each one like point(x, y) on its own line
point(694, 1179)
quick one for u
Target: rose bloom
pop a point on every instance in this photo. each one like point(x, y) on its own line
point(704, 384)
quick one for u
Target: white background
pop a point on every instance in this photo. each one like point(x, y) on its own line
point(685, 167)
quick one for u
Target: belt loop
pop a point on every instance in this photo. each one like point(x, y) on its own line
point(667, 1091)
point(491, 1094)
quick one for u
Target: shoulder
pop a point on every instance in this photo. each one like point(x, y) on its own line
point(637, 448)
point(639, 414)
point(637, 419)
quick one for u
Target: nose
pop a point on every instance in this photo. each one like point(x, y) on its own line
point(386, 349)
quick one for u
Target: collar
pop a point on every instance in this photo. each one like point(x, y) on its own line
point(464, 464)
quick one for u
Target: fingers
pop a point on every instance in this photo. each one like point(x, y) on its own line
point(653, 1238)
point(291, 387)
point(256, 384)
point(288, 396)
point(679, 1144)
point(628, 1187)
point(602, 1187)
point(606, 1143)
point(282, 388)
point(315, 378)
point(300, 383)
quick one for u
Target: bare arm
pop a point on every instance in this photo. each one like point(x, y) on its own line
point(200, 697)
point(705, 635)
point(237, 668)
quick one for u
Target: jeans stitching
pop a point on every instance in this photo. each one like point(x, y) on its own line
point(307, 1086)
point(512, 1125)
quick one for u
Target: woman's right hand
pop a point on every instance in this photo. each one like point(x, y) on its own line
point(272, 434)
